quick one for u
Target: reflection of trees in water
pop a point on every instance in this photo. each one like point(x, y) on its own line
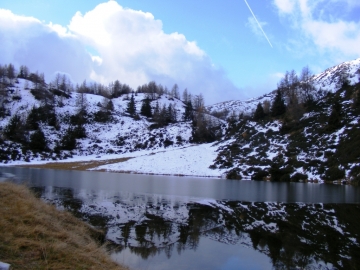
point(305, 234)
point(68, 200)
point(292, 235)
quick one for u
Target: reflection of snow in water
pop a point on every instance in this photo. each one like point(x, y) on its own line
point(149, 224)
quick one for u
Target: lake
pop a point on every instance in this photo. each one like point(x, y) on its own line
point(165, 222)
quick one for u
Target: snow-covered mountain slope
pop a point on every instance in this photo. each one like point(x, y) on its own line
point(237, 107)
point(121, 134)
point(328, 80)
point(307, 142)
point(322, 145)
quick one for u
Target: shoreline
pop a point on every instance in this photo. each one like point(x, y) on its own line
point(94, 164)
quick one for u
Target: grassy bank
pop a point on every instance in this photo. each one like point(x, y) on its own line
point(34, 235)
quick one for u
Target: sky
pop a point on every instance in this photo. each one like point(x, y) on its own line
point(229, 49)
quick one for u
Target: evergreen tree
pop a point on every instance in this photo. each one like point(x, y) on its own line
point(334, 121)
point(278, 107)
point(37, 141)
point(169, 114)
point(259, 112)
point(15, 130)
point(32, 121)
point(189, 112)
point(68, 141)
point(131, 107)
point(146, 108)
point(156, 115)
point(110, 106)
point(163, 116)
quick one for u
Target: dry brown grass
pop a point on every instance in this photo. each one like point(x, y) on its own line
point(34, 235)
point(77, 165)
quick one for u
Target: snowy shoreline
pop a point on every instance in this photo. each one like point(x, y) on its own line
point(189, 161)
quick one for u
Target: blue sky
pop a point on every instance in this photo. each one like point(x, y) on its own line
point(212, 47)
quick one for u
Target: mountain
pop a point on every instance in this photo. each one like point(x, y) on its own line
point(310, 142)
point(328, 80)
point(314, 139)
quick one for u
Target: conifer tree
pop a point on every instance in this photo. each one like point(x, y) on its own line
point(146, 108)
point(278, 107)
point(156, 115)
point(334, 121)
point(37, 141)
point(189, 112)
point(15, 130)
point(259, 112)
point(169, 114)
point(131, 107)
point(163, 116)
point(110, 106)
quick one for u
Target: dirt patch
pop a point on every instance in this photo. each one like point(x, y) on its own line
point(76, 165)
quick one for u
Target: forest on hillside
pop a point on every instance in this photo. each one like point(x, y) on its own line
point(297, 132)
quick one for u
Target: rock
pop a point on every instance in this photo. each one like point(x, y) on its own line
point(4, 266)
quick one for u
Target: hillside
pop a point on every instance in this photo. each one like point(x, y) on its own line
point(312, 139)
point(313, 142)
point(328, 80)
point(106, 132)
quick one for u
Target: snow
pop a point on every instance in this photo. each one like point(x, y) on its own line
point(190, 160)
point(216, 204)
point(146, 146)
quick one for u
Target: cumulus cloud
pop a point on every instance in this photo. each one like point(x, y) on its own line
point(109, 43)
point(324, 24)
point(26, 40)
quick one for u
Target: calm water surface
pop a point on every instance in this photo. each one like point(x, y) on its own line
point(163, 222)
point(219, 189)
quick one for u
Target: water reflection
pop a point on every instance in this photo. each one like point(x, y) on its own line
point(155, 231)
point(158, 222)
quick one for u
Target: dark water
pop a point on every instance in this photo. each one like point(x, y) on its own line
point(161, 222)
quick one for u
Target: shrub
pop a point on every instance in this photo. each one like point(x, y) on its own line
point(259, 175)
point(334, 173)
point(298, 176)
point(68, 141)
point(234, 174)
point(102, 116)
point(167, 143)
point(355, 174)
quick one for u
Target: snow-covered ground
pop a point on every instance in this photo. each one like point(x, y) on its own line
point(191, 160)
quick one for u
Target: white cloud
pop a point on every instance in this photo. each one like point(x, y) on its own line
point(25, 40)
point(125, 44)
point(318, 23)
point(285, 6)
